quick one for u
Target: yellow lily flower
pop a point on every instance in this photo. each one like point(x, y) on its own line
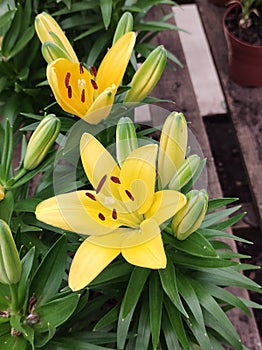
point(81, 93)
point(121, 216)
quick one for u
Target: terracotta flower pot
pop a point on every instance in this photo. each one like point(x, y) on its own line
point(244, 60)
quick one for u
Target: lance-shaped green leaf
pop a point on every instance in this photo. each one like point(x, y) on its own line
point(10, 265)
point(134, 289)
point(155, 307)
point(55, 312)
point(48, 277)
point(169, 284)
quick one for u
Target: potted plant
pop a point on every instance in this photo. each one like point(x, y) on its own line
point(241, 23)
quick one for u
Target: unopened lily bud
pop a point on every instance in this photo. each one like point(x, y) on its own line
point(41, 141)
point(124, 26)
point(172, 147)
point(48, 29)
point(147, 76)
point(2, 193)
point(185, 172)
point(10, 265)
point(52, 52)
point(126, 139)
point(190, 217)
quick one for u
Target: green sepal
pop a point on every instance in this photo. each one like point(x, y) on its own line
point(48, 277)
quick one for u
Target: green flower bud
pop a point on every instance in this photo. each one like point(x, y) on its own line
point(10, 265)
point(52, 51)
point(172, 147)
point(148, 74)
point(185, 172)
point(48, 29)
point(2, 193)
point(190, 217)
point(41, 141)
point(126, 139)
point(124, 26)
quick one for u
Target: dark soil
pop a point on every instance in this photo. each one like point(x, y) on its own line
point(231, 172)
point(251, 34)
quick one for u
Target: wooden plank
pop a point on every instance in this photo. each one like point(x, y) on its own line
point(177, 86)
point(200, 64)
point(245, 104)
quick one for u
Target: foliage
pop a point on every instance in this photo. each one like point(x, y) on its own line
point(181, 306)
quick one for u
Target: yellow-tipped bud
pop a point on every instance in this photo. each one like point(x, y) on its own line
point(48, 29)
point(147, 76)
point(2, 193)
point(185, 172)
point(41, 141)
point(172, 147)
point(126, 139)
point(190, 217)
point(52, 52)
point(124, 26)
point(10, 265)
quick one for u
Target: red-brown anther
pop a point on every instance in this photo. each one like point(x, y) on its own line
point(114, 214)
point(93, 70)
point(115, 179)
point(129, 194)
point(69, 91)
point(81, 68)
point(83, 97)
point(101, 216)
point(94, 84)
point(67, 79)
point(91, 196)
point(101, 183)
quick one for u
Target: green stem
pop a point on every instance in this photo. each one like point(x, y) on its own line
point(15, 178)
point(14, 297)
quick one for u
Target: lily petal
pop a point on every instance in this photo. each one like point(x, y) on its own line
point(165, 205)
point(137, 177)
point(71, 86)
point(76, 212)
point(88, 262)
point(124, 237)
point(101, 106)
point(113, 66)
point(100, 167)
point(150, 255)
